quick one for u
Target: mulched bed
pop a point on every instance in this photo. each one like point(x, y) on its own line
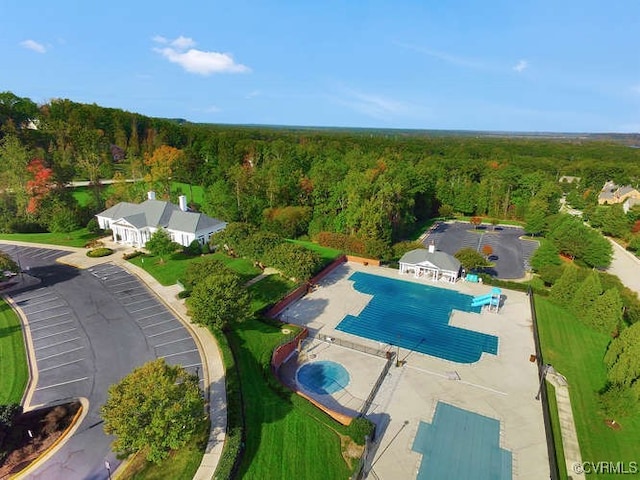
point(46, 426)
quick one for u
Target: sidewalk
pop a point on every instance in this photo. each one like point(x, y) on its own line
point(213, 371)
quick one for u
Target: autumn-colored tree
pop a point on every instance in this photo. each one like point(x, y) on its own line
point(161, 165)
point(39, 185)
point(487, 250)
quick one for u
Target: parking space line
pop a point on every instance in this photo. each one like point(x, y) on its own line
point(63, 383)
point(44, 310)
point(179, 353)
point(58, 354)
point(129, 280)
point(59, 343)
point(50, 326)
point(51, 254)
point(127, 290)
point(172, 341)
point(54, 334)
point(166, 331)
point(29, 297)
point(145, 308)
point(35, 304)
point(139, 301)
point(31, 322)
point(136, 295)
point(159, 323)
point(61, 365)
point(38, 252)
point(192, 365)
point(150, 316)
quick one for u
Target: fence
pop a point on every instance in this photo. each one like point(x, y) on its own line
point(546, 413)
point(301, 291)
point(352, 345)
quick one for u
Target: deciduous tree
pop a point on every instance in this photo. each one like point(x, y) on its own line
point(218, 300)
point(161, 165)
point(160, 244)
point(470, 259)
point(155, 409)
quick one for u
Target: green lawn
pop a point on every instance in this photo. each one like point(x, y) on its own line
point(555, 425)
point(174, 266)
point(327, 254)
point(286, 437)
point(13, 358)
point(180, 465)
point(194, 193)
point(577, 352)
point(268, 291)
point(77, 238)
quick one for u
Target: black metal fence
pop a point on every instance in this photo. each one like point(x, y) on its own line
point(546, 413)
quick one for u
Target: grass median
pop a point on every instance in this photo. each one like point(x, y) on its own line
point(13, 357)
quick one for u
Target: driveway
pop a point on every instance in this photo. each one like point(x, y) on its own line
point(510, 253)
point(89, 328)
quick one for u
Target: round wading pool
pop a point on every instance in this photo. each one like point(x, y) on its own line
point(322, 377)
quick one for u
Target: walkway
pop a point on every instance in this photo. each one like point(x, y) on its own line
point(213, 371)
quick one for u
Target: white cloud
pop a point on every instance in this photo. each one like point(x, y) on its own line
point(33, 45)
point(521, 66)
point(197, 61)
point(252, 94)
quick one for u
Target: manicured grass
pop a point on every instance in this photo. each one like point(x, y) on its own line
point(13, 357)
point(286, 437)
point(268, 291)
point(555, 425)
point(180, 465)
point(77, 238)
point(327, 254)
point(194, 193)
point(576, 352)
point(174, 266)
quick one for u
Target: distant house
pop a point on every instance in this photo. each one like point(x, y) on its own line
point(430, 264)
point(612, 193)
point(569, 179)
point(629, 203)
point(134, 223)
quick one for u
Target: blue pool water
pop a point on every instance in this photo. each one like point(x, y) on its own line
point(463, 445)
point(416, 317)
point(323, 377)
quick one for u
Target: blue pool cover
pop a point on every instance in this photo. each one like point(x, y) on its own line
point(462, 445)
point(416, 317)
point(323, 377)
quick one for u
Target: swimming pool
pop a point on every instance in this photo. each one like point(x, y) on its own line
point(323, 377)
point(416, 317)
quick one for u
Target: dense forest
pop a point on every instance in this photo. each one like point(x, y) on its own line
point(372, 184)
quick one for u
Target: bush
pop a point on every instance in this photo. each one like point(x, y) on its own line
point(93, 226)
point(99, 252)
point(134, 254)
point(359, 429)
point(193, 249)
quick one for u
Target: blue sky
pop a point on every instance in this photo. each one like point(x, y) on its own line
point(506, 65)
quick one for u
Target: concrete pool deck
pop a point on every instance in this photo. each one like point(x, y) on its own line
point(500, 386)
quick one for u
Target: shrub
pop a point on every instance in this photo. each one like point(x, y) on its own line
point(95, 243)
point(359, 429)
point(93, 226)
point(130, 255)
point(619, 401)
point(193, 249)
point(99, 252)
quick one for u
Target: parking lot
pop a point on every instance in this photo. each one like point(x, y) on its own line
point(89, 328)
point(510, 255)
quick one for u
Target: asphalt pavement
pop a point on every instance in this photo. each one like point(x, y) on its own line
point(510, 252)
point(88, 329)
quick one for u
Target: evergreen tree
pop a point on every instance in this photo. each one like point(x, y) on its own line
point(623, 359)
point(546, 254)
point(564, 290)
point(606, 313)
point(586, 295)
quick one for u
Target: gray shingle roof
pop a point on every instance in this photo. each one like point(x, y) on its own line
point(153, 213)
point(442, 260)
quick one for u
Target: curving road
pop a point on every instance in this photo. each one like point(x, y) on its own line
point(626, 266)
point(89, 328)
